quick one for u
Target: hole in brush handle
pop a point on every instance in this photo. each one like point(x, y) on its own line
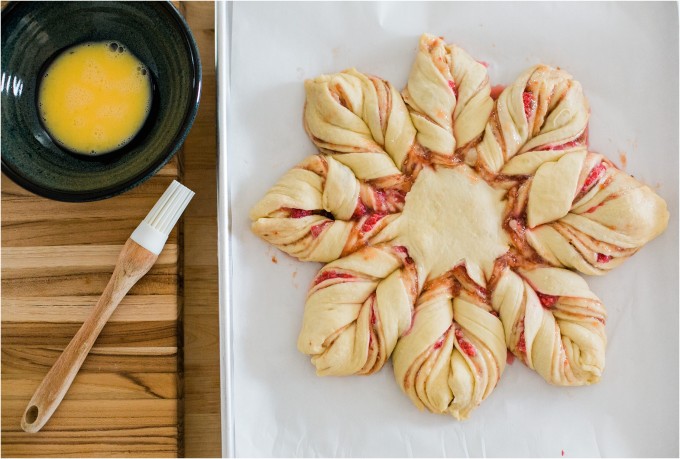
point(32, 421)
point(31, 414)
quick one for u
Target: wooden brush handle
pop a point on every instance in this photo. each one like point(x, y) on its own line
point(133, 262)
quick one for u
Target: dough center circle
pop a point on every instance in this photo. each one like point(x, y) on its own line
point(453, 216)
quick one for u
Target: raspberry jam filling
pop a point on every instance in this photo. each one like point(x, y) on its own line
point(299, 213)
point(464, 344)
point(529, 103)
point(564, 146)
point(381, 198)
point(319, 228)
point(594, 208)
point(403, 250)
point(452, 85)
point(371, 222)
point(602, 258)
point(521, 344)
point(496, 91)
point(382, 202)
point(327, 275)
point(594, 175)
point(439, 343)
point(547, 301)
point(360, 210)
point(581, 140)
point(396, 196)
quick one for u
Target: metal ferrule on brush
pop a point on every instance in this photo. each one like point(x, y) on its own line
point(153, 231)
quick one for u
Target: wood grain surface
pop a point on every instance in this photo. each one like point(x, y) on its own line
point(150, 386)
point(56, 260)
point(201, 313)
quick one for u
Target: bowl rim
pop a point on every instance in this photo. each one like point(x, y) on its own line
point(168, 153)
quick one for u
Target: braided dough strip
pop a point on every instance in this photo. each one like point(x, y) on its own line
point(584, 213)
point(453, 355)
point(543, 110)
point(361, 120)
point(319, 211)
point(553, 323)
point(356, 309)
point(448, 96)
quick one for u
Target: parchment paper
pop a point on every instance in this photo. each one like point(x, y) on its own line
point(626, 57)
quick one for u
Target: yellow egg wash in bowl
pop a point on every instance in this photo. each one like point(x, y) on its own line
point(46, 149)
point(94, 97)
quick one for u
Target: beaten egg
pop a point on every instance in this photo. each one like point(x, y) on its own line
point(95, 97)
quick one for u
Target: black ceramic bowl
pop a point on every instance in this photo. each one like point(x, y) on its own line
point(33, 33)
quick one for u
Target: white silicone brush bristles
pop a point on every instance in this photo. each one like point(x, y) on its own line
point(169, 207)
point(154, 230)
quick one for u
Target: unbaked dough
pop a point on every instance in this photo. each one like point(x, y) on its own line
point(451, 224)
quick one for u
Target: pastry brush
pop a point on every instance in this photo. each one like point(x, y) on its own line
point(139, 254)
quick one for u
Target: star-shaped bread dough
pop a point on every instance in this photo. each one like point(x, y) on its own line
point(451, 223)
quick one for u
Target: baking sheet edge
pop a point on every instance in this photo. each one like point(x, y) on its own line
point(222, 67)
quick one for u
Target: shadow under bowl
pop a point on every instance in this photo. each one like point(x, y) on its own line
point(34, 33)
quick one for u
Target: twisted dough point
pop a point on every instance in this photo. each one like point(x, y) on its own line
point(553, 323)
point(360, 119)
point(543, 110)
point(448, 95)
point(356, 309)
point(454, 354)
point(307, 213)
point(598, 216)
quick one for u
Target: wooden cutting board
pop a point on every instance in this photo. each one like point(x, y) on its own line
point(56, 261)
point(130, 396)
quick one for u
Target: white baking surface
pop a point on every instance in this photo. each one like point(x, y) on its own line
point(626, 57)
